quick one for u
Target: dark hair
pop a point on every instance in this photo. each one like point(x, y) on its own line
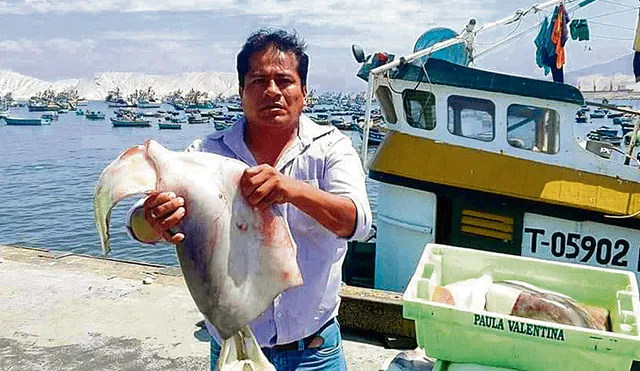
point(282, 40)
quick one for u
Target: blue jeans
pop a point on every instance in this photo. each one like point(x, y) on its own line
point(329, 356)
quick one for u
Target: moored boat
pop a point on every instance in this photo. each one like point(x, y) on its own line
point(490, 161)
point(94, 115)
point(16, 121)
point(130, 122)
point(169, 125)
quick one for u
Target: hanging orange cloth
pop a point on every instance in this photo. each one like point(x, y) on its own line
point(559, 35)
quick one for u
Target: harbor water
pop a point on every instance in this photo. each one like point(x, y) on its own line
point(48, 173)
point(47, 176)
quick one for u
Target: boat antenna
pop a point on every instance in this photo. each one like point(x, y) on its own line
point(467, 36)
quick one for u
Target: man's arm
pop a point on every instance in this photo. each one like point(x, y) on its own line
point(342, 207)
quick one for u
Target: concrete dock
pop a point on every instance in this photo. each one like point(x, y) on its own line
point(61, 311)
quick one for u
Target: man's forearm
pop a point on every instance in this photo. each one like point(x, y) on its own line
point(336, 213)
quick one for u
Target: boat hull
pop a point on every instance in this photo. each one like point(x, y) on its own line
point(26, 121)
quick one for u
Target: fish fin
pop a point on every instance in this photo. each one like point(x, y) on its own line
point(242, 352)
point(132, 172)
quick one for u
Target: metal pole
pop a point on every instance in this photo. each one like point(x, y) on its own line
point(463, 37)
point(613, 108)
point(373, 80)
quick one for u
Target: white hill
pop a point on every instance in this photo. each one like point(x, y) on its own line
point(214, 83)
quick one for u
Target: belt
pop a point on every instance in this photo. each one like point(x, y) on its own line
point(303, 343)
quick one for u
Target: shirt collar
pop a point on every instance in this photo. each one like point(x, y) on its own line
point(308, 131)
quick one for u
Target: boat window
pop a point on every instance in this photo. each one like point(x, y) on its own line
point(383, 95)
point(533, 128)
point(420, 109)
point(471, 117)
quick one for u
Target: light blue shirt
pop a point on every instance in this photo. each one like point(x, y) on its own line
point(325, 158)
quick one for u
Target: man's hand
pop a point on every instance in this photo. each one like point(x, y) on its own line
point(263, 186)
point(164, 211)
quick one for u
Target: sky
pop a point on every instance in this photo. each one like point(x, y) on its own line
point(61, 39)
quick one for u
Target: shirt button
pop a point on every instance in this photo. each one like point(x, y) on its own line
point(279, 315)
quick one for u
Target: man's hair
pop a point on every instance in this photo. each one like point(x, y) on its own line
point(282, 40)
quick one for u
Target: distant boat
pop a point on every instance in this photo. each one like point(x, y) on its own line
point(597, 114)
point(197, 119)
point(321, 119)
point(130, 122)
point(50, 116)
point(121, 103)
point(94, 115)
point(26, 121)
point(63, 110)
point(82, 103)
point(169, 125)
point(41, 106)
point(221, 125)
point(234, 108)
point(80, 112)
point(143, 103)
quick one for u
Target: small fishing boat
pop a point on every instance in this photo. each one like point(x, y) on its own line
point(197, 119)
point(321, 119)
point(598, 114)
point(95, 115)
point(581, 117)
point(234, 108)
point(51, 116)
point(221, 125)
point(26, 121)
point(607, 131)
point(169, 125)
point(130, 122)
point(80, 112)
point(144, 103)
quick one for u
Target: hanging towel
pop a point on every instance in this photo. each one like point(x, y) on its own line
point(559, 35)
point(541, 45)
point(579, 30)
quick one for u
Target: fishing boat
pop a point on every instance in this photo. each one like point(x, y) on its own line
point(234, 108)
point(598, 114)
point(145, 103)
point(490, 161)
point(94, 115)
point(197, 119)
point(221, 125)
point(129, 122)
point(321, 119)
point(79, 112)
point(169, 125)
point(581, 117)
point(377, 132)
point(26, 121)
point(51, 116)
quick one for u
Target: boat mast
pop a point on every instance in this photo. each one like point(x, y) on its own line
point(467, 36)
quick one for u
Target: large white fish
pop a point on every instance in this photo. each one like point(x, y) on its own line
point(235, 259)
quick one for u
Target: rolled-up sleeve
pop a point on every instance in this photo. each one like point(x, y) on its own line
point(344, 175)
point(137, 226)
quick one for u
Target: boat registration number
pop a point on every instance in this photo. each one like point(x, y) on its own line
point(588, 243)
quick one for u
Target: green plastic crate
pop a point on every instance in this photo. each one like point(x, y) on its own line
point(488, 338)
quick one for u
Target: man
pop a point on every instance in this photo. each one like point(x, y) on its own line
point(311, 172)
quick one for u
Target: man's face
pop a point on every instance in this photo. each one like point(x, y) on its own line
point(273, 95)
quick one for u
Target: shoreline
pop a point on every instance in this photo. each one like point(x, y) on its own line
point(67, 311)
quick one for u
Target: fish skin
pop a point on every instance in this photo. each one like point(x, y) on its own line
point(538, 304)
point(235, 260)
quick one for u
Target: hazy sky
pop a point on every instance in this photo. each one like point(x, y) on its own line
point(56, 39)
